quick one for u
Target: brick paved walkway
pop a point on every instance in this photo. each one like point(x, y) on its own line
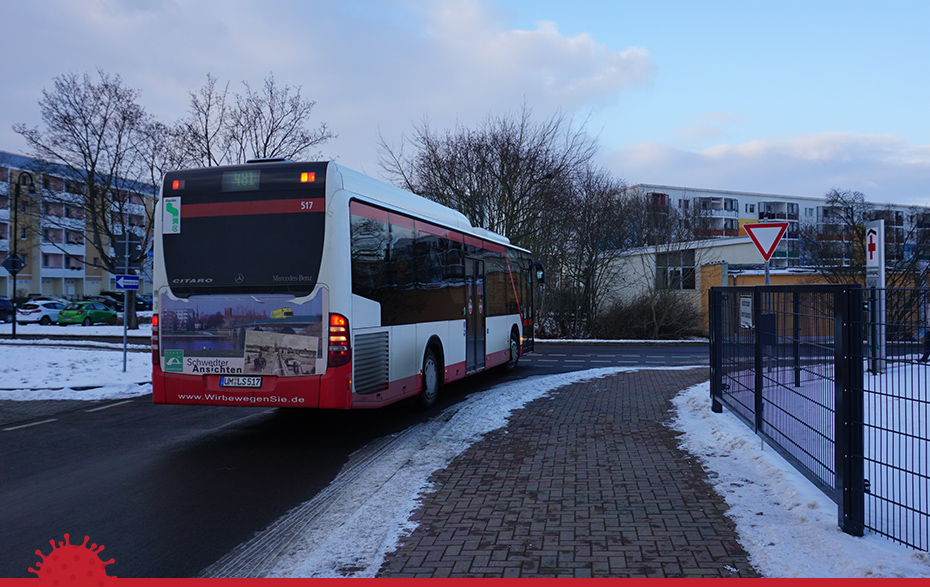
point(586, 483)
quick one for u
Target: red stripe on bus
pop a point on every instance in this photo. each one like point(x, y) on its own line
point(367, 211)
point(252, 208)
point(431, 229)
point(402, 221)
point(474, 242)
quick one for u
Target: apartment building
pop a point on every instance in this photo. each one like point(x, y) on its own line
point(723, 213)
point(52, 231)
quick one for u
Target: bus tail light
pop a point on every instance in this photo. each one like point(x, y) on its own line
point(340, 352)
point(155, 340)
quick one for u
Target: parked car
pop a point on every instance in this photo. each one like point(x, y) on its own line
point(45, 298)
point(6, 310)
point(107, 301)
point(41, 311)
point(143, 301)
point(86, 313)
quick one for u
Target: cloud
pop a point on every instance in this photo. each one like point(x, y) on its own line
point(884, 167)
point(370, 65)
point(469, 63)
point(707, 127)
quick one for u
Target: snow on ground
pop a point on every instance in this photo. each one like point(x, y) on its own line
point(788, 526)
point(76, 330)
point(48, 372)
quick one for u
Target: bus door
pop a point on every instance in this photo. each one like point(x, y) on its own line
point(528, 313)
point(474, 314)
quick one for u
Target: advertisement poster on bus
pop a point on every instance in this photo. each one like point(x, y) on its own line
point(249, 335)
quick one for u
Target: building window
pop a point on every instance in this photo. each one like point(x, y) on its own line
point(751, 208)
point(24, 234)
point(74, 187)
point(675, 270)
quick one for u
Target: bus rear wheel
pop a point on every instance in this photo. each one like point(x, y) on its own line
point(511, 363)
point(432, 379)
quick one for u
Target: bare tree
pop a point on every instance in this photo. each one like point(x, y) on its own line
point(222, 129)
point(94, 129)
point(581, 268)
point(510, 175)
point(836, 247)
point(203, 138)
point(656, 267)
point(272, 123)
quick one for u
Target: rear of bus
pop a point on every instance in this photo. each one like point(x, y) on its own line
point(242, 312)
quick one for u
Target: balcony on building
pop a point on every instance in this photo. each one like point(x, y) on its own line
point(59, 265)
point(718, 207)
point(779, 210)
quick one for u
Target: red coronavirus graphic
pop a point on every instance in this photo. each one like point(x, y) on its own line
point(72, 564)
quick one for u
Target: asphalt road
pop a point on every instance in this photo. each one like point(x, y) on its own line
point(170, 489)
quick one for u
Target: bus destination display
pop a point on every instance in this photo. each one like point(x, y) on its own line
point(241, 180)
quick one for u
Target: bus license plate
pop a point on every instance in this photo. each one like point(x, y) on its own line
point(240, 381)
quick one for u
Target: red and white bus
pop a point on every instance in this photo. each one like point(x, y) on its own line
point(311, 285)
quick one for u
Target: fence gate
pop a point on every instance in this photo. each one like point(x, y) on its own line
point(793, 363)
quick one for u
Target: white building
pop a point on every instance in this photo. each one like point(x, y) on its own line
point(723, 214)
point(52, 234)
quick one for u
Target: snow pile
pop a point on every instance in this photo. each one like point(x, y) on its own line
point(786, 524)
point(40, 372)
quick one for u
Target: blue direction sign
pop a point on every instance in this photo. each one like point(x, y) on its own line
point(127, 282)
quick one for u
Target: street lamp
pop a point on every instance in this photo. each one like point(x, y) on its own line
point(32, 192)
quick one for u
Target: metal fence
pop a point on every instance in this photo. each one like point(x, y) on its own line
point(836, 379)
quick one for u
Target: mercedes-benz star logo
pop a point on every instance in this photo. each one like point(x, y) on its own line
point(240, 278)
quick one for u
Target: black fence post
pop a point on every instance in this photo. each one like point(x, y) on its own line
point(849, 446)
point(796, 336)
point(758, 342)
point(715, 316)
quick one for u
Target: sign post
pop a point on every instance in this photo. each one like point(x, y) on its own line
point(875, 282)
point(126, 283)
point(766, 236)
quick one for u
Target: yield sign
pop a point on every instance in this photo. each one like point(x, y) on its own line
point(766, 236)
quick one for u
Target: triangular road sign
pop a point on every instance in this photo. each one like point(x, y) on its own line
point(766, 236)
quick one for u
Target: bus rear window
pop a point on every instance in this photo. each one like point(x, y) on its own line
point(267, 240)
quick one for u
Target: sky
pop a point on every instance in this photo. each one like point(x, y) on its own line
point(765, 494)
point(788, 97)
